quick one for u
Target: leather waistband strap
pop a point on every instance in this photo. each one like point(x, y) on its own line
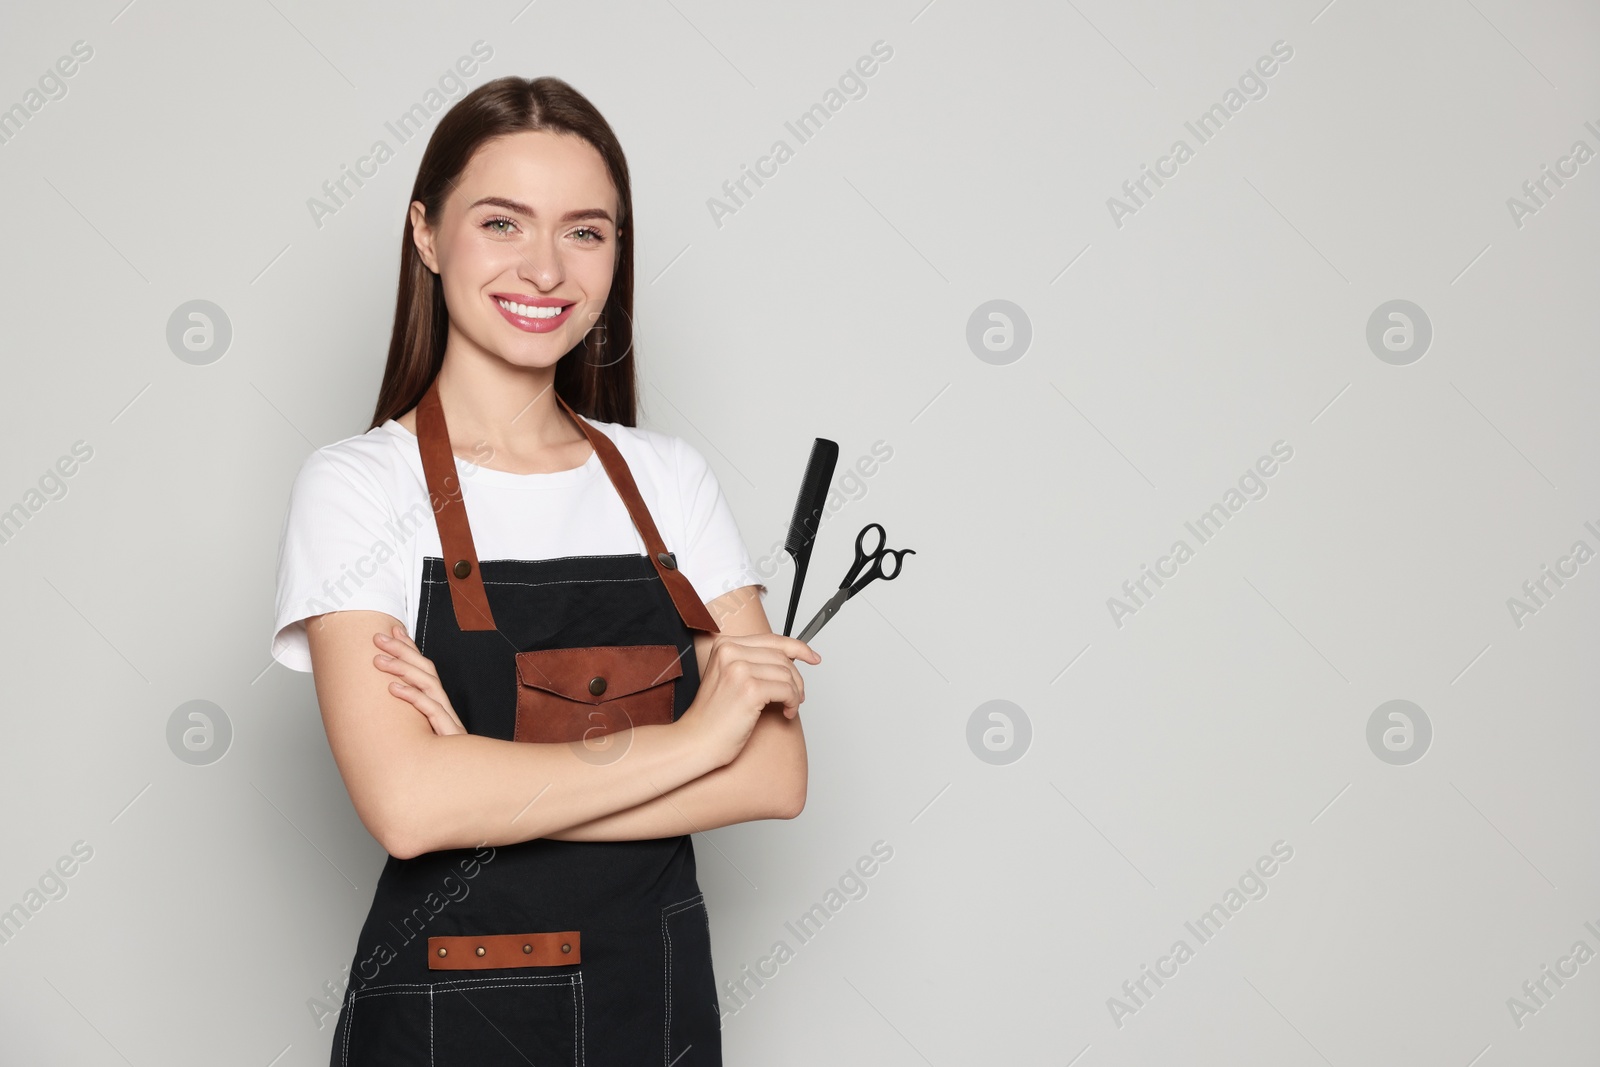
point(455, 533)
point(557, 949)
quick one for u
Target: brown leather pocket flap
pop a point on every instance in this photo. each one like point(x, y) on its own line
point(614, 670)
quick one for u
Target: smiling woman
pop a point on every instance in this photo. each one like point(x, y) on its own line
point(548, 681)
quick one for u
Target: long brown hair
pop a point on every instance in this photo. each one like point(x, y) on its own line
point(600, 383)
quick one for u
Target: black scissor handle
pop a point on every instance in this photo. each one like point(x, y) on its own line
point(862, 555)
point(898, 555)
point(876, 558)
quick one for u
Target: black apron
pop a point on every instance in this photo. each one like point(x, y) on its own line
point(555, 953)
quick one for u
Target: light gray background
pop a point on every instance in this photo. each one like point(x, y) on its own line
point(1166, 755)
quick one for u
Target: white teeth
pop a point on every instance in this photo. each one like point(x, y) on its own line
point(530, 312)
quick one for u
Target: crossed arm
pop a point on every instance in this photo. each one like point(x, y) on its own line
point(420, 783)
point(762, 782)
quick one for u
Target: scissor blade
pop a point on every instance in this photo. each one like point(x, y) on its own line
point(829, 610)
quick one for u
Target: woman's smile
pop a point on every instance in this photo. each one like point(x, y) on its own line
point(541, 314)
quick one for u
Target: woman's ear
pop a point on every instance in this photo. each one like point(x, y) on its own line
point(422, 235)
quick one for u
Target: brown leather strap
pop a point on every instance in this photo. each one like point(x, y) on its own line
point(557, 949)
point(455, 535)
point(450, 512)
point(690, 607)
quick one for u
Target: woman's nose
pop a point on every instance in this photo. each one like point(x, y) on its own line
point(541, 266)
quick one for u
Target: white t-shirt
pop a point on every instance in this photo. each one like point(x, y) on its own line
point(359, 523)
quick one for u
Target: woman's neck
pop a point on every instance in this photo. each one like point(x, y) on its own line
point(505, 417)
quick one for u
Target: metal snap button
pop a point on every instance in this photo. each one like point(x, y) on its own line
point(668, 560)
point(480, 950)
point(462, 568)
point(597, 685)
point(527, 949)
point(566, 948)
point(443, 951)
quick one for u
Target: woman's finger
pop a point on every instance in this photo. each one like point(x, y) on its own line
point(441, 719)
point(402, 647)
point(760, 654)
point(792, 647)
point(410, 673)
point(400, 635)
point(783, 678)
point(420, 685)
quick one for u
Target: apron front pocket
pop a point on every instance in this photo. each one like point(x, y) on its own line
point(575, 694)
point(509, 1020)
point(390, 1026)
point(693, 1016)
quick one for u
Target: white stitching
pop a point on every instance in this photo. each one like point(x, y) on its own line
point(515, 700)
point(666, 985)
point(583, 1033)
point(552, 559)
point(422, 987)
point(560, 581)
point(705, 913)
point(430, 1028)
point(668, 911)
point(518, 985)
point(427, 601)
point(683, 905)
point(349, 1024)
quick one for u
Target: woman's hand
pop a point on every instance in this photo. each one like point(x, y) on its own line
point(421, 686)
point(744, 676)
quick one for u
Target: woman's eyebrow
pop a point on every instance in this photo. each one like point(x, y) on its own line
point(523, 209)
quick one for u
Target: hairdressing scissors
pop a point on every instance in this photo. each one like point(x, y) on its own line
point(851, 585)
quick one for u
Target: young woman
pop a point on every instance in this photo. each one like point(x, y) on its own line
point(527, 699)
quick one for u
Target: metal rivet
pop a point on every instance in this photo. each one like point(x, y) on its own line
point(668, 560)
point(463, 568)
point(480, 950)
point(443, 951)
point(566, 948)
point(527, 948)
point(597, 685)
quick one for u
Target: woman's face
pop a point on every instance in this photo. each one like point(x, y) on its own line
point(526, 245)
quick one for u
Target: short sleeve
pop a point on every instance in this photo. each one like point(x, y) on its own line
point(714, 557)
point(333, 554)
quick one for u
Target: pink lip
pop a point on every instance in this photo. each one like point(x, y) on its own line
point(528, 325)
point(532, 301)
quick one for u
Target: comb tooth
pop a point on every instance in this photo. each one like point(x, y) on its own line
point(801, 520)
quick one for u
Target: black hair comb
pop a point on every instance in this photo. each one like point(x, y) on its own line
point(808, 517)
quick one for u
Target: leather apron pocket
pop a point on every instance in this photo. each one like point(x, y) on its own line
point(574, 694)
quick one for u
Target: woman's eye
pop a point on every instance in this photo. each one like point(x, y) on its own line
point(590, 235)
point(493, 225)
